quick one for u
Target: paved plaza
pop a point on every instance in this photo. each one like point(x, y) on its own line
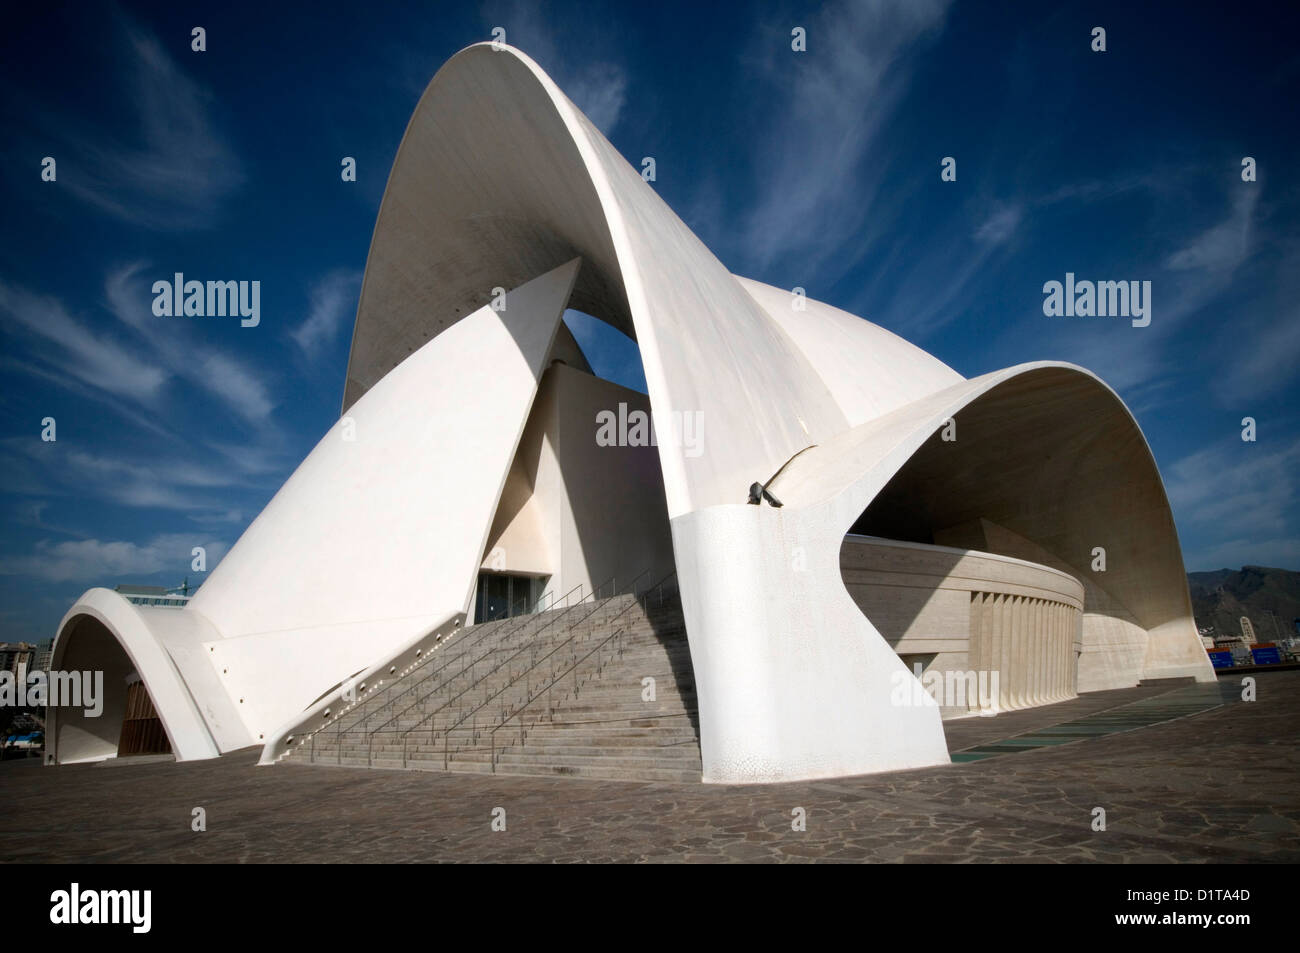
point(1217, 783)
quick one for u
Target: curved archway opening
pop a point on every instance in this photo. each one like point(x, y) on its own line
point(1047, 468)
point(125, 722)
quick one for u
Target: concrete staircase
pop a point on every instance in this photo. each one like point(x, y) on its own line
point(565, 692)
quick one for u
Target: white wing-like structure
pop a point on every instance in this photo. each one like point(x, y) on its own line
point(504, 207)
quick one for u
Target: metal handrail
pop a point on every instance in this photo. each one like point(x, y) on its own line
point(489, 651)
point(364, 714)
point(637, 600)
point(504, 642)
point(635, 580)
point(492, 754)
point(658, 587)
point(533, 666)
point(462, 662)
point(370, 740)
point(533, 642)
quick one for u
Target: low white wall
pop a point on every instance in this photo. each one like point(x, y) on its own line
point(574, 510)
point(957, 611)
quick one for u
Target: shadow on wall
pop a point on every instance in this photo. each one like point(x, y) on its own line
point(1047, 467)
point(894, 606)
point(669, 629)
point(88, 646)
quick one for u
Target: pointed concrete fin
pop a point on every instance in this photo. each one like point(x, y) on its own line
point(533, 312)
point(568, 351)
point(379, 533)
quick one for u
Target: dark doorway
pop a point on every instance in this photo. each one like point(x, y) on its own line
point(500, 595)
point(142, 729)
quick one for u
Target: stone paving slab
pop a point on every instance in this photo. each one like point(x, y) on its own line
point(968, 732)
point(1221, 786)
point(1178, 702)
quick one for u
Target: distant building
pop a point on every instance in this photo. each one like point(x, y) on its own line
point(155, 595)
point(13, 654)
point(1248, 630)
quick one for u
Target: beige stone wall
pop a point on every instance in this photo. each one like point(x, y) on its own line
point(958, 611)
point(1114, 645)
point(574, 511)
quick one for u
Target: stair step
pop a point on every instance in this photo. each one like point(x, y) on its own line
point(596, 773)
point(592, 723)
point(576, 754)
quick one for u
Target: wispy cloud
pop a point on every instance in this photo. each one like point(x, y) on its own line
point(1236, 504)
point(1128, 359)
point(1203, 268)
point(1200, 270)
point(1236, 487)
point(201, 491)
point(179, 171)
point(931, 288)
point(234, 383)
point(103, 470)
point(333, 299)
point(998, 228)
point(599, 91)
point(597, 87)
point(834, 98)
point(69, 347)
point(1224, 246)
point(1263, 359)
point(221, 374)
point(254, 459)
point(97, 561)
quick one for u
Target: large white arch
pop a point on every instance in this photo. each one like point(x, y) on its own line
point(372, 545)
point(499, 176)
point(104, 633)
point(794, 681)
point(501, 184)
point(770, 381)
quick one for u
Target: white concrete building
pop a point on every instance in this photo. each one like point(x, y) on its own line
point(1011, 523)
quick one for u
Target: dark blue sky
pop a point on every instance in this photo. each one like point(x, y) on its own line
point(816, 169)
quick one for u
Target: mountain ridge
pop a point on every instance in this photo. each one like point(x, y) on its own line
point(1269, 597)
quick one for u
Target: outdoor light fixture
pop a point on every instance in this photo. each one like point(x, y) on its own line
point(758, 493)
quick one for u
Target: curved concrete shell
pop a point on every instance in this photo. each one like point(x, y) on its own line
point(505, 206)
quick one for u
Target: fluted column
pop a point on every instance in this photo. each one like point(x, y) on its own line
point(1002, 608)
point(1035, 663)
point(1049, 637)
point(1016, 632)
point(981, 654)
point(1065, 655)
point(1058, 657)
point(1031, 651)
point(1053, 663)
